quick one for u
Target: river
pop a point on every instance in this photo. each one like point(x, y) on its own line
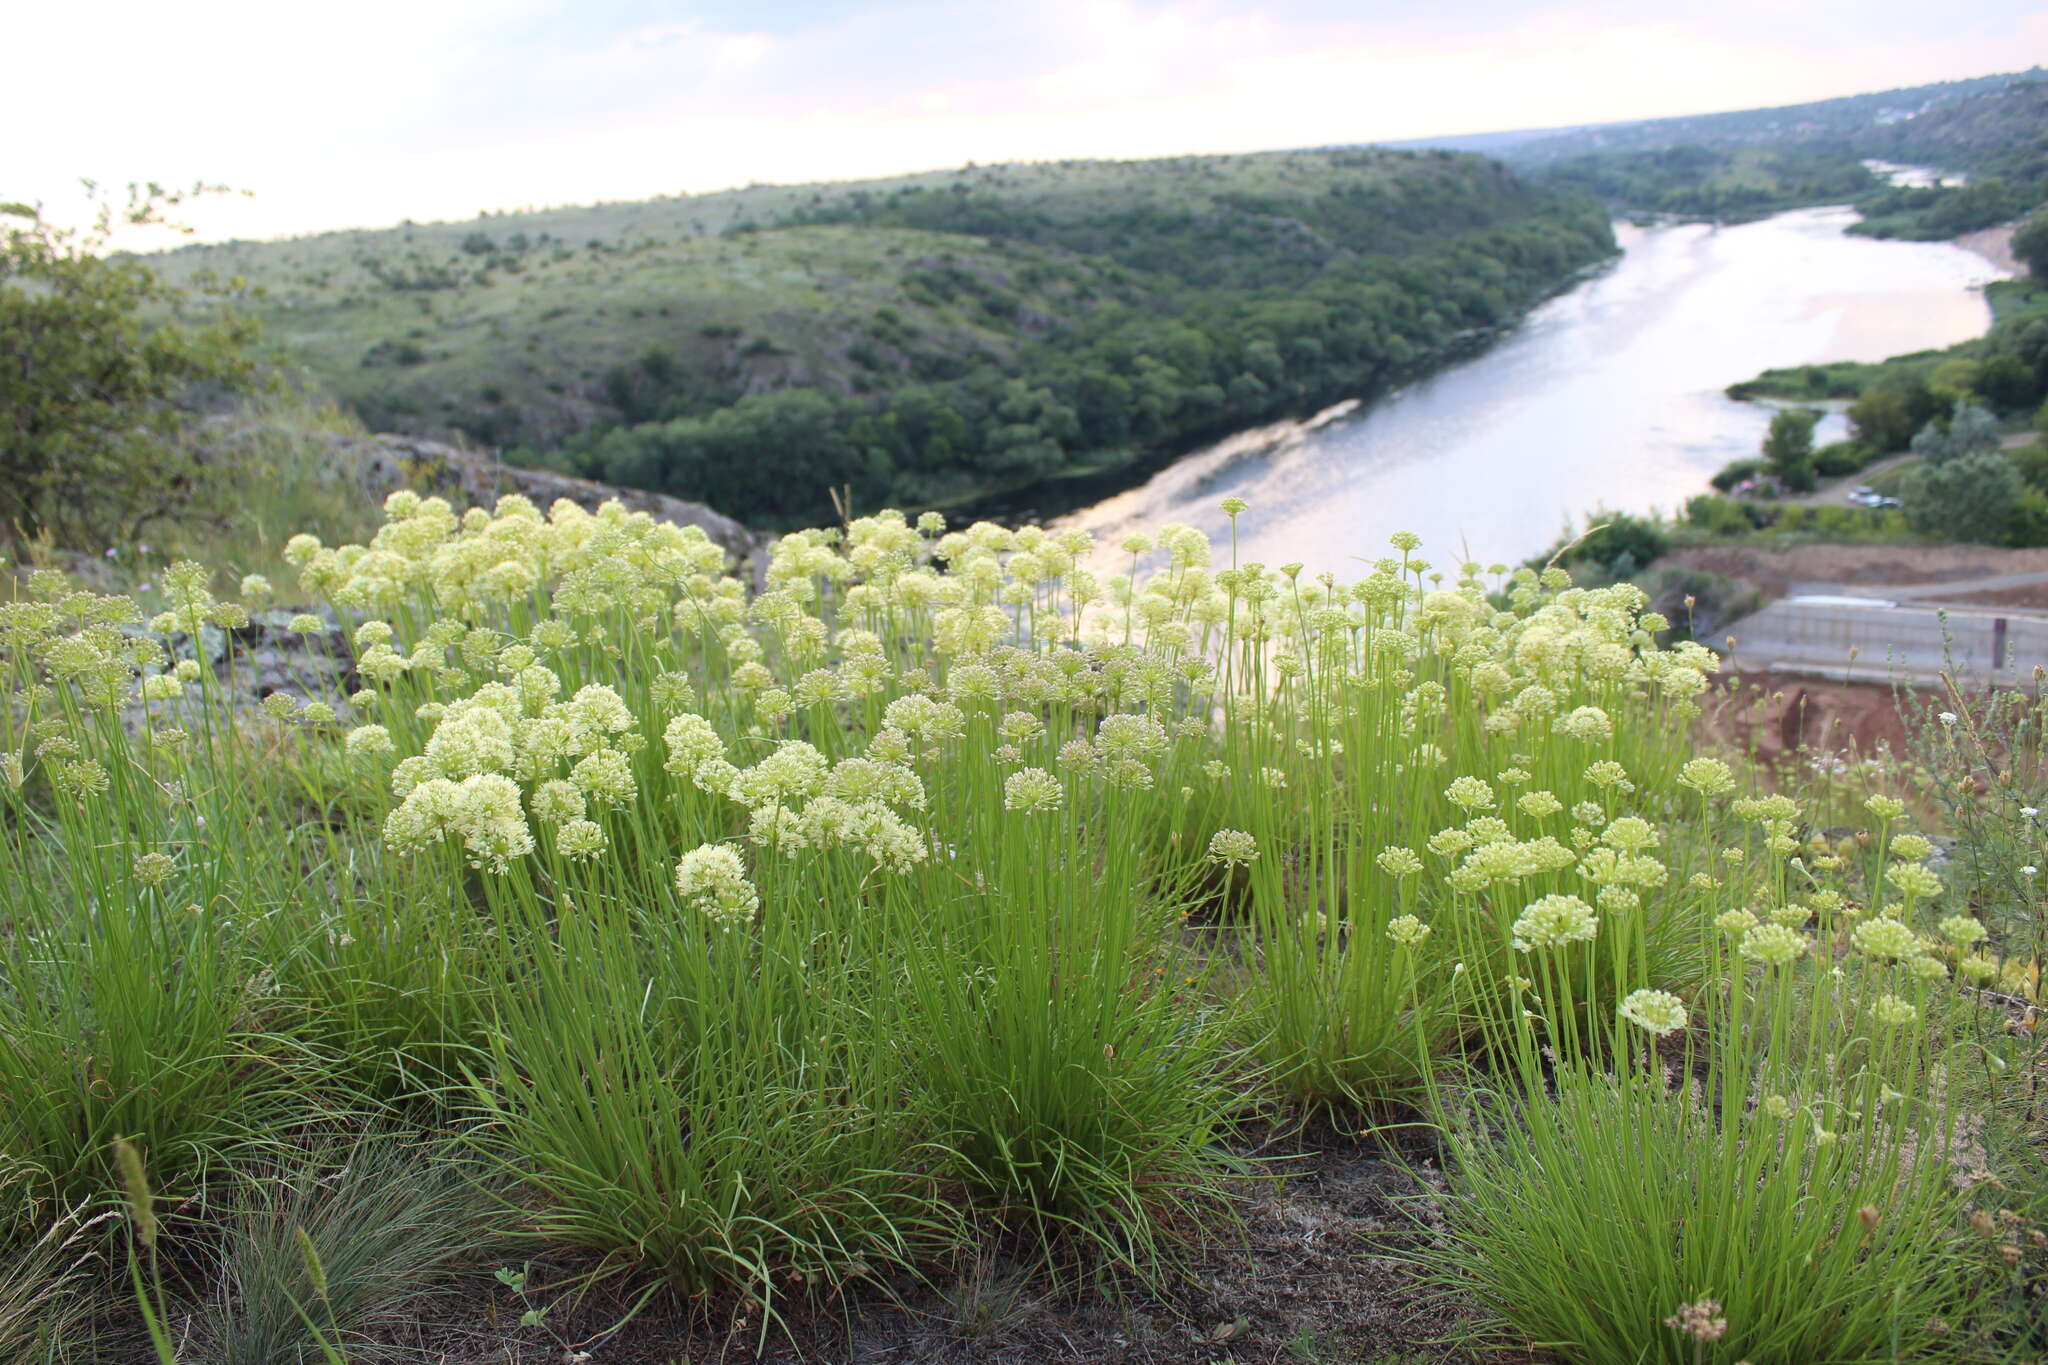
point(1609, 395)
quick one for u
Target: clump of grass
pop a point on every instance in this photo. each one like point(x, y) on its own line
point(48, 1284)
point(338, 1249)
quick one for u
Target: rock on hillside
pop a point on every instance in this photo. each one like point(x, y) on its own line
point(475, 478)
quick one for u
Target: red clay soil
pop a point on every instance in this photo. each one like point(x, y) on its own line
point(1776, 715)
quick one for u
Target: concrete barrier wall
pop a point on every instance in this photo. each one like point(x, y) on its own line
point(1818, 633)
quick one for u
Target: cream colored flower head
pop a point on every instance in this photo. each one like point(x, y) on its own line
point(1553, 922)
point(1233, 848)
point(712, 880)
point(1407, 931)
point(1658, 1012)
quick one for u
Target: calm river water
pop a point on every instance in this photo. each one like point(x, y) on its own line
point(1609, 395)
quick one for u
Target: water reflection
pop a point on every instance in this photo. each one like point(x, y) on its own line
point(1609, 395)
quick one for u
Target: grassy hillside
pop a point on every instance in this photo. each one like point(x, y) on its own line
point(521, 342)
point(928, 338)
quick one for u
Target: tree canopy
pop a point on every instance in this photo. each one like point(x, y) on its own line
point(96, 372)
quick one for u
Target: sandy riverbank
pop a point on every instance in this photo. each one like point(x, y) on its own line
point(1994, 244)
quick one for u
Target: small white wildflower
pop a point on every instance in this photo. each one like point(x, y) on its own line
point(1407, 930)
point(1033, 791)
point(1658, 1012)
point(580, 840)
point(712, 880)
point(1396, 861)
point(1774, 945)
point(1553, 922)
point(1233, 848)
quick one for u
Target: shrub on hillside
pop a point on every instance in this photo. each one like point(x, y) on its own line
point(1839, 459)
point(1964, 487)
point(1735, 472)
point(96, 395)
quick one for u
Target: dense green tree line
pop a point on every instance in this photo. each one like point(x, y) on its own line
point(1717, 182)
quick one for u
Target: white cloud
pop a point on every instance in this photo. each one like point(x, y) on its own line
point(437, 108)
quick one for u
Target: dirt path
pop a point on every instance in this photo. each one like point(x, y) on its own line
point(1835, 491)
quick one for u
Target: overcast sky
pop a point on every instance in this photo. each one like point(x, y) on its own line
point(364, 113)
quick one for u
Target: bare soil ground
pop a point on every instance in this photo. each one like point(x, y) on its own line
point(1994, 244)
point(1315, 1270)
point(1774, 571)
point(1776, 716)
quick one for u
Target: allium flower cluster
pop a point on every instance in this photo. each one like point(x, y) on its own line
point(1884, 937)
point(1398, 861)
point(1707, 776)
point(482, 812)
point(1407, 931)
point(1774, 945)
point(1553, 922)
point(1033, 791)
point(1470, 793)
point(1233, 848)
point(1913, 879)
point(712, 880)
point(1702, 1321)
point(1658, 1012)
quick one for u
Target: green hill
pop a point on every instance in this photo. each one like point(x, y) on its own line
point(1845, 118)
point(1750, 162)
point(929, 339)
point(1999, 138)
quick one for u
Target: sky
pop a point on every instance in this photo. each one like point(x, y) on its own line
point(352, 115)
